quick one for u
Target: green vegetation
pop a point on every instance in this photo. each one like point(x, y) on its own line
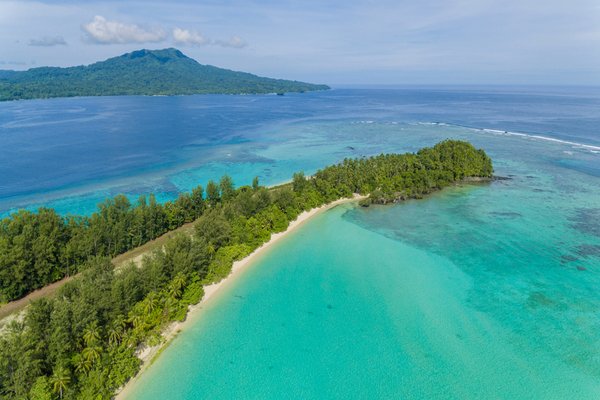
point(81, 344)
point(40, 248)
point(142, 72)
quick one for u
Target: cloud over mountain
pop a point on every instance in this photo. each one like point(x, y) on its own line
point(102, 31)
point(190, 37)
point(194, 38)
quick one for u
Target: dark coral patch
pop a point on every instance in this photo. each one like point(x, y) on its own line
point(589, 250)
point(587, 220)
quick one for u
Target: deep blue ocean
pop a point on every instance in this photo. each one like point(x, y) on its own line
point(486, 291)
point(72, 153)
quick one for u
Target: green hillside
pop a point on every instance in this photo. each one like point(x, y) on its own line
point(142, 72)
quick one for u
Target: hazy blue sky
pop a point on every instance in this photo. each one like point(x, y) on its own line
point(350, 41)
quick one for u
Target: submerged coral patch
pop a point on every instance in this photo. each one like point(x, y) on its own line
point(587, 220)
point(589, 250)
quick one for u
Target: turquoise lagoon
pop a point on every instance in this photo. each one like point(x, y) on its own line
point(476, 292)
point(473, 293)
point(479, 291)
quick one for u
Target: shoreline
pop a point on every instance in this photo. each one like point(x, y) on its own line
point(149, 354)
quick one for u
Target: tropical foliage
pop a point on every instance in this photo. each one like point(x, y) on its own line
point(38, 248)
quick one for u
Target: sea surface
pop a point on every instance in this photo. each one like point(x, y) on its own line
point(487, 291)
point(71, 154)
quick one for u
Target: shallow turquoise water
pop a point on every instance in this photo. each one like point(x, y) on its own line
point(338, 311)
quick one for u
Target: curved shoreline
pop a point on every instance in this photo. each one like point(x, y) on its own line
point(149, 354)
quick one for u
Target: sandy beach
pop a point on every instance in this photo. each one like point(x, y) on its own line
point(210, 291)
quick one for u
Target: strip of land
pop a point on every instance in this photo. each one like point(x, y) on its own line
point(134, 305)
point(211, 291)
point(16, 306)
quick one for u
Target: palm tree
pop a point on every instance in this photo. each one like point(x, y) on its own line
point(91, 334)
point(150, 303)
point(137, 321)
point(60, 380)
point(177, 285)
point(91, 353)
point(120, 322)
point(130, 338)
point(171, 304)
point(82, 365)
point(114, 335)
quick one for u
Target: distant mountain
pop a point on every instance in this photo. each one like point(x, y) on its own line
point(142, 72)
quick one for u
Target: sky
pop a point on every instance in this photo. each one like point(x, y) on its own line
point(334, 42)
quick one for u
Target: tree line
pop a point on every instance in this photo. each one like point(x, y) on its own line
point(38, 248)
point(82, 343)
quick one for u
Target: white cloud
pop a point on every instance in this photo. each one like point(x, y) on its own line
point(102, 31)
point(48, 41)
point(235, 42)
point(195, 38)
point(191, 37)
point(185, 36)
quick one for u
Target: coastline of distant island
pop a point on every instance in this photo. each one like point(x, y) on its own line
point(165, 72)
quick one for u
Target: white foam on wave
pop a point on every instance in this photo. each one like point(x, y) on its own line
point(576, 145)
point(550, 139)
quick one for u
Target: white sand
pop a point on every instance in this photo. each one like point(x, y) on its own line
point(148, 353)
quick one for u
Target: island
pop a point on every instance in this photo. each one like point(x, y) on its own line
point(143, 72)
point(86, 342)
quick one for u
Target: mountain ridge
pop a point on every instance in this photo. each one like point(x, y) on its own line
point(141, 72)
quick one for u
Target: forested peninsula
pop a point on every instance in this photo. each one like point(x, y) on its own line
point(82, 343)
point(142, 72)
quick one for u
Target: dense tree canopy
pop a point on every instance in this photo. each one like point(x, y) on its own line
point(37, 248)
point(82, 343)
